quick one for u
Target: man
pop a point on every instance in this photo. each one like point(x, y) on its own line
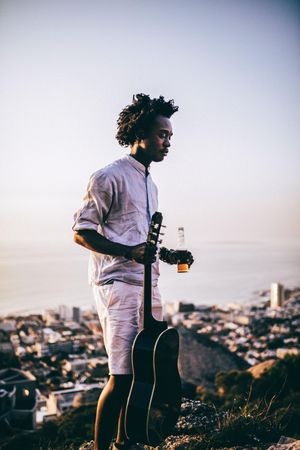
point(113, 223)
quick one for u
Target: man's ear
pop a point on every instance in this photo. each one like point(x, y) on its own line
point(140, 134)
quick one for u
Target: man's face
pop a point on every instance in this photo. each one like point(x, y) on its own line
point(157, 143)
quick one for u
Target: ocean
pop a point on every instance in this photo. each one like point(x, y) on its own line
point(36, 277)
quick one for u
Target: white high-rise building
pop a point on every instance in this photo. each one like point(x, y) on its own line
point(65, 312)
point(277, 295)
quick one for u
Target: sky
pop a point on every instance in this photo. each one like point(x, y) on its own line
point(67, 68)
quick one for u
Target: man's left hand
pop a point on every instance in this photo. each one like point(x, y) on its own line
point(185, 256)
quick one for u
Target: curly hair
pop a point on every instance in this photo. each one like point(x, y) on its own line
point(135, 120)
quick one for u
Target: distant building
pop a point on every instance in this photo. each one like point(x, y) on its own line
point(185, 307)
point(50, 316)
point(76, 365)
point(62, 400)
point(6, 347)
point(65, 312)
point(179, 307)
point(76, 314)
point(18, 400)
point(8, 325)
point(242, 319)
point(53, 348)
point(282, 352)
point(50, 335)
point(277, 295)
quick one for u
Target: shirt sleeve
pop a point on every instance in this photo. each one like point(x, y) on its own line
point(96, 203)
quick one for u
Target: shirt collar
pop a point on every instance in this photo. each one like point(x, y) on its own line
point(137, 165)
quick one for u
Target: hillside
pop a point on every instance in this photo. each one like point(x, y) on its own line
point(200, 359)
point(244, 413)
point(201, 427)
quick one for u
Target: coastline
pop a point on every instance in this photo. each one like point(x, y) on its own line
point(34, 278)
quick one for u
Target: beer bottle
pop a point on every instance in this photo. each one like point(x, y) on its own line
point(182, 266)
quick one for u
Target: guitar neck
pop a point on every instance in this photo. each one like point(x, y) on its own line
point(152, 239)
point(148, 319)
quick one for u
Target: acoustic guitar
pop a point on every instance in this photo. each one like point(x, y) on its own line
point(154, 399)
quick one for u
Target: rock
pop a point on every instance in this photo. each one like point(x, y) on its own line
point(87, 446)
point(182, 442)
point(196, 417)
point(90, 446)
point(286, 443)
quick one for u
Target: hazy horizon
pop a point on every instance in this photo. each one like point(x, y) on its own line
point(34, 278)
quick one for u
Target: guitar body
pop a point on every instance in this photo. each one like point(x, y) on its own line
point(154, 400)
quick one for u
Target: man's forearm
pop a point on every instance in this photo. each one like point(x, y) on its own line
point(94, 241)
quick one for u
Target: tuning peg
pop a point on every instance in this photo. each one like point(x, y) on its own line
point(162, 234)
point(163, 226)
point(160, 241)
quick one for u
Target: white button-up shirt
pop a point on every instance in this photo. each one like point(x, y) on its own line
point(119, 204)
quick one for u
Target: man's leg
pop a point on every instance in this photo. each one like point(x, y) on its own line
point(110, 411)
point(121, 435)
point(118, 306)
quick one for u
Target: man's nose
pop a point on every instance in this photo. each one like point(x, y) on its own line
point(167, 143)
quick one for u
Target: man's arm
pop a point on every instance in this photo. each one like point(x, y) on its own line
point(92, 240)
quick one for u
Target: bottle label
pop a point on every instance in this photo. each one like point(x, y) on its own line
point(182, 266)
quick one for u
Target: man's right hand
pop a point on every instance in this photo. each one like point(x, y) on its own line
point(142, 253)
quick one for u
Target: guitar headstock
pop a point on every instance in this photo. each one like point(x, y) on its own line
point(154, 229)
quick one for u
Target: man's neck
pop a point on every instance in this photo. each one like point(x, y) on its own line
point(138, 154)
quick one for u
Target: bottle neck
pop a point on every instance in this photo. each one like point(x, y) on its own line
point(180, 239)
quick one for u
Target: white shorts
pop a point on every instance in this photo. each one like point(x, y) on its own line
point(120, 310)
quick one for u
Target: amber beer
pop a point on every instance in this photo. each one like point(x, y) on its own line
point(182, 266)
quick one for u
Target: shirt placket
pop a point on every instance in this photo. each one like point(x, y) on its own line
point(147, 195)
